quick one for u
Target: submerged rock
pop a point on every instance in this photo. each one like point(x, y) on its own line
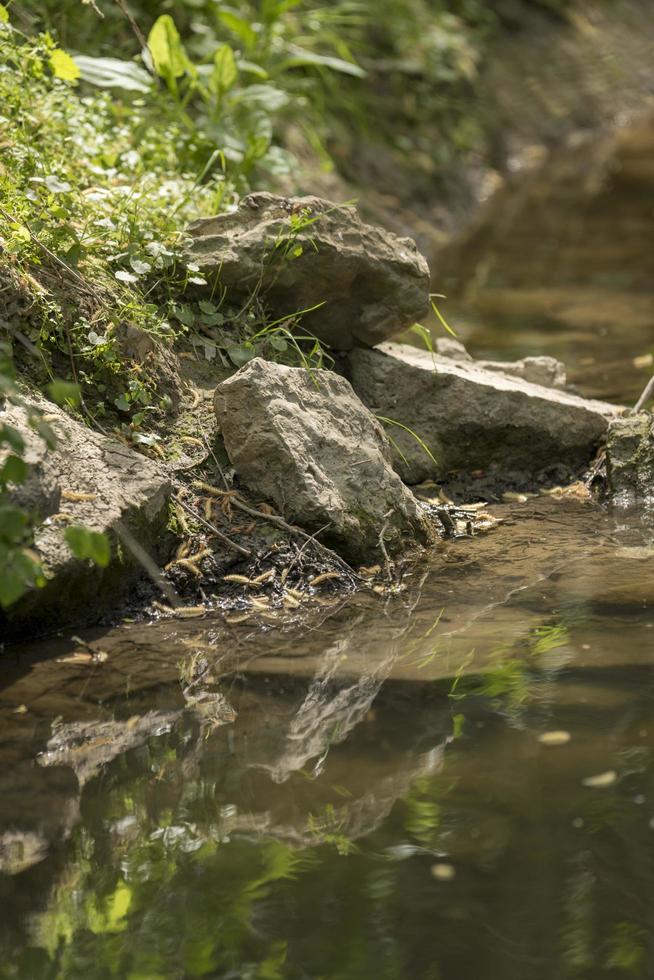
point(91, 481)
point(305, 442)
point(630, 460)
point(470, 418)
point(305, 251)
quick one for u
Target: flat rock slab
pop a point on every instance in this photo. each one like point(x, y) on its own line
point(297, 253)
point(305, 442)
point(92, 481)
point(471, 418)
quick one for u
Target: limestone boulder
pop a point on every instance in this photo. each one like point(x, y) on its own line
point(470, 418)
point(301, 252)
point(91, 481)
point(306, 443)
point(630, 460)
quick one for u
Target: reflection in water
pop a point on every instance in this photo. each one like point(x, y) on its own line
point(390, 797)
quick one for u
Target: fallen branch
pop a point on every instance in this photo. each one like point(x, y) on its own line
point(146, 562)
point(245, 552)
point(279, 522)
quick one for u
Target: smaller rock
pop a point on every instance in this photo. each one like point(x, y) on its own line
point(544, 371)
point(454, 349)
point(302, 252)
point(630, 460)
point(305, 442)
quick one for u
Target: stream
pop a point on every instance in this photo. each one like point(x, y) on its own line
point(455, 783)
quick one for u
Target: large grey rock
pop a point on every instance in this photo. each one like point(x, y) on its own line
point(471, 418)
point(630, 460)
point(305, 442)
point(304, 251)
point(92, 481)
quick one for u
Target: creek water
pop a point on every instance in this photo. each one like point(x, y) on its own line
point(455, 783)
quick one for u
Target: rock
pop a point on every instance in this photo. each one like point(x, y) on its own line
point(451, 348)
point(471, 418)
point(304, 251)
point(630, 460)
point(546, 371)
point(306, 443)
point(92, 481)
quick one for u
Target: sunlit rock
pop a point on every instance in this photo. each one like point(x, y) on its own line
point(471, 419)
point(306, 443)
point(302, 253)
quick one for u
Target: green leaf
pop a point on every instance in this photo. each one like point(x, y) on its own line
point(63, 66)
point(424, 335)
point(46, 432)
point(249, 67)
point(224, 72)
point(13, 523)
point(264, 97)
point(64, 391)
point(240, 26)
point(19, 571)
point(305, 58)
point(240, 355)
point(4, 16)
point(441, 319)
point(113, 73)
point(14, 470)
point(12, 437)
point(278, 343)
point(88, 544)
point(165, 45)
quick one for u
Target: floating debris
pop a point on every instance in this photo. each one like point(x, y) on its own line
point(602, 780)
point(554, 738)
point(443, 871)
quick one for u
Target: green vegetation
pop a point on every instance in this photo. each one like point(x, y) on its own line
point(122, 121)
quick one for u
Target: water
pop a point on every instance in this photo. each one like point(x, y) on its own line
point(371, 795)
point(452, 784)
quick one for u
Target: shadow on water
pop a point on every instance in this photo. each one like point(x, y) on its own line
point(453, 783)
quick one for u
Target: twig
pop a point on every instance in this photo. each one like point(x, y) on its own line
point(140, 37)
point(290, 529)
point(219, 534)
point(215, 459)
point(382, 545)
point(146, 562)
point(93, 5)
point(648, 391)
point(306, 544)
